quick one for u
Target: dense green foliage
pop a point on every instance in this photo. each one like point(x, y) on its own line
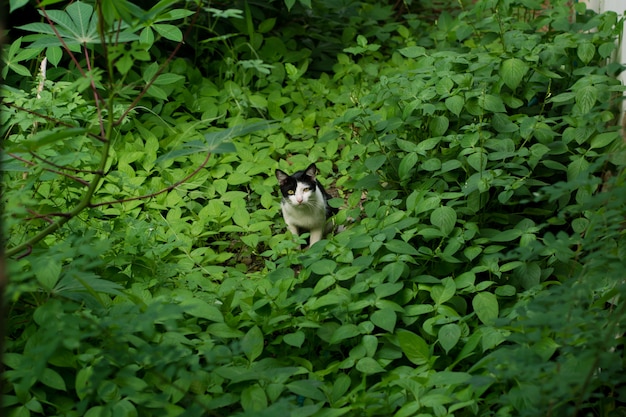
point(477, 165)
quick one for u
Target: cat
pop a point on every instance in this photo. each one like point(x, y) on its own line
point(305, 204)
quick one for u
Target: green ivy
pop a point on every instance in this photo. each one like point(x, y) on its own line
point(477, 163)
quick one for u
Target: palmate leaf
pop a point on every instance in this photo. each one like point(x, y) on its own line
point(77, 25)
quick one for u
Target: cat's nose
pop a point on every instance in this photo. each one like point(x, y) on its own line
point(299, 200)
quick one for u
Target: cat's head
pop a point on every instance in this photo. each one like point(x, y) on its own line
point(298, 188)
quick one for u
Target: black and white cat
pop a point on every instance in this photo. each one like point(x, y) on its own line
point(305, 203)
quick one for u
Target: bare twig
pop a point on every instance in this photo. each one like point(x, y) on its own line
point(31, 163)
point(160, 69)
point(44, 160)
point(146, 196)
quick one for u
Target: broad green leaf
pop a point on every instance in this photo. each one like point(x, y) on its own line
point(444, 218)
point(586, 51)
point(606, 49)
point(82, 383)
point(385, 319)
point(324, 266)
point(413, 51)
point(406, 165)
point(507, 235)
point(401, 247)
point(168, 79)
point(294, 339)
point(170, 32)
point(343, 332)
point(200, 308)
point(604, 139)
point(386, 289)
point(442, 293)
point(439, 125)
point(252, 343)
point(486, 307)
point(146, 37)
point(369, 366)
point(375, 162)
point(414, 347)
point(586, 98)
point(46, 137)
point(308, 388)
point(53, 379)
point(54, 54)
point(323, 283)
point(16, 4)
point(253, 399)
point(444, 86)
point(512, 72)
point(47, 271)
point(578, 167)
point(449, 335)
point(492, 103)
point(455, 104)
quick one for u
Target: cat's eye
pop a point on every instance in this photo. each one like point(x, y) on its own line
point(291, 192)
point(305, 189)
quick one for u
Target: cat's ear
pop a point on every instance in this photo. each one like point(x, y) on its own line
point(281, 176)
point(311, 171)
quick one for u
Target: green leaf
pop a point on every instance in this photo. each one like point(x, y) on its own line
point(307, 388)
point(406, 165)
point(343, 332)
point(513, 71)
point(414, 347)
point(369, 366)
point(486, 307)
point(54, 54)
point(586, 98)
point(577, 168)
point(170, 32)
point(47, 271)
point(252, 343)
point(294, 339)
point(253, 399)
point(449, 335)
point(439, 125)
point(604, 139)
point(492, 103)
point(52, 379)
point(16, 4)
point(442, 293)
point(413, 51)
point(46, 137)
point(385, 319)
point(324, 266)
point(455, 104)
point(200, 308)
point(586, 51)
point(375, 162)
point(401, 247)
point(444, 218)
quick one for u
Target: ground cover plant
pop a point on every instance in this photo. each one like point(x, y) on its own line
point(476, 161)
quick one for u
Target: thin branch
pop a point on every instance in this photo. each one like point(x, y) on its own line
point(31, 163)
point(160, 69)
point(58, 35)
point(45, 216)
point(146, 196)
point(96, 96)
point(44, 160)
point(52, 119)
